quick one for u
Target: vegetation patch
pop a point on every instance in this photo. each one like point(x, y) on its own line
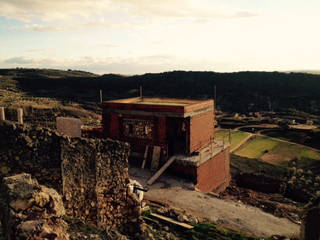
point(209, 231)
point(257, 147)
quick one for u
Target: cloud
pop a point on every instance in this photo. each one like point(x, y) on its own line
point(152, 63)
point(47, 10)
point(18, 60)
point(74, 27)
point(86, 10)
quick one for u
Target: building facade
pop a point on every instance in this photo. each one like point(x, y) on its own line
point(180, 127)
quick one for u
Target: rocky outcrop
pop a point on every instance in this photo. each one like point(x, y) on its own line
point(30, 210)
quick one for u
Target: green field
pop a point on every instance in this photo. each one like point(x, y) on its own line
point(309, 154)
point(276, 152)
point(236, 136)
point(257, 147)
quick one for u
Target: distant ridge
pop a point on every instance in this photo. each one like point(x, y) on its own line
point(236, 92)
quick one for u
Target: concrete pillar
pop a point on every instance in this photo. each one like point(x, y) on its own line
point(2, 114)
point(20, 115)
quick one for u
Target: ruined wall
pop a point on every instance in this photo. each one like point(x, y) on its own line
point(92, 174)
point(310, 221)
point(201, 130)
point(32, 150)
point(95, 178)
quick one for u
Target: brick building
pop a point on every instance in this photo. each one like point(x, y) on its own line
point(180, 127)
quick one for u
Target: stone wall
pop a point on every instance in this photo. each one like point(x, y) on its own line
point(310, 221)
point(95, 178)
point(92, 174)
point(30, 210)
point(32, 150)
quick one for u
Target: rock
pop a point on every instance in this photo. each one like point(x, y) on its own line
point(41, 198)
point(31, 211)
point(193, 220)
point(20, 204)
point(56, 203)
point(26, 228)
point(182, 218)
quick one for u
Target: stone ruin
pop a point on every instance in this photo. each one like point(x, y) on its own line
point(31, 211)
point(311, 221)
point(95, 180)
point(91, 174)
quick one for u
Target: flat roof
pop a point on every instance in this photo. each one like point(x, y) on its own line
point(180, 107)
point(158, 101)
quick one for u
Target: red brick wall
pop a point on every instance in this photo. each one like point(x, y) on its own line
point(201, 130)
point(214, 175)
point(112, 125)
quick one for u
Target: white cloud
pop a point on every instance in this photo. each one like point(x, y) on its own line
point(47, 10)
point(74, 27)
point(137, 65)
point(18, 60)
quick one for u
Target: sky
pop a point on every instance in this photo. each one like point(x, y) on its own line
point(144, 36)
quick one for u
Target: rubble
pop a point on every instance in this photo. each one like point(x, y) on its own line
point(275, 203)
point(30, 210)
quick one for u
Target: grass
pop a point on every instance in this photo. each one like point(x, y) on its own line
point(257, 147)
point(309, 154)
point(236, 136)
point(209, 231)
point(276, 152)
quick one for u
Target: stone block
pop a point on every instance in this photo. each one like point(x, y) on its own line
point(69, 126)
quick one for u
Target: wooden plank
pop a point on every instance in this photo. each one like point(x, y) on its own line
point(161, 170)
point(145, 157)
point(20, 115)
point(184, 225)
point(2, 114)
point(155, 158)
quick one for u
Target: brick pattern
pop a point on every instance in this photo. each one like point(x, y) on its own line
point(214, 175)
point(201, 131)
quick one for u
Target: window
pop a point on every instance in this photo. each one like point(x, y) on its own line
point(137, 128)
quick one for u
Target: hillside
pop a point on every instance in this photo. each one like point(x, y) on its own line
point(251, 91)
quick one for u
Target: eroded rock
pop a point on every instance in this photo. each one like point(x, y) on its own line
point(31, 211)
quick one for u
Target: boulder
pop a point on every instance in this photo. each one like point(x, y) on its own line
point(30, 210)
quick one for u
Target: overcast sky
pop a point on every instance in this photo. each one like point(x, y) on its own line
point(139, 36)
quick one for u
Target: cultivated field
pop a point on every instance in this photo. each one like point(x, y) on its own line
point(256, 147)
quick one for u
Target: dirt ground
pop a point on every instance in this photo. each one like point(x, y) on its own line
point(228, 213)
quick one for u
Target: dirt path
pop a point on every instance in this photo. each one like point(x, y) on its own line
point(230, 214)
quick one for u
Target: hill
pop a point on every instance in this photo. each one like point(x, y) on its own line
point(236, 92)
